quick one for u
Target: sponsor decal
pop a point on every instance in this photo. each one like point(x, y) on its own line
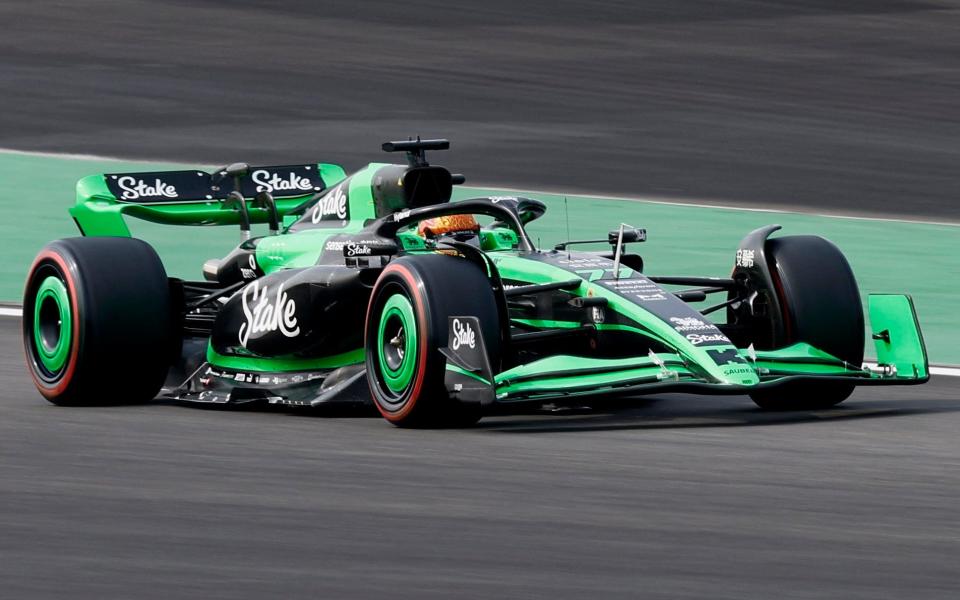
point(632, 285)
point(272, 182)
point(738, 371)
point(463, 335)
point(726, 357)
point(597, 314)
point(745, 257)
point(499, 199)
point(249, 273)
point(583, 263)
point(399, 216)
point(332, 206)
point(698, 338)
point(355, 249)
point(264, 313)
point(133, 188)
point(690, 324)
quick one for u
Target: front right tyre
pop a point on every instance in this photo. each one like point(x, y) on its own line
point(820, 300)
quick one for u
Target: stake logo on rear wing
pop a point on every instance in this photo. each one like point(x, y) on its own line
point(197, 186)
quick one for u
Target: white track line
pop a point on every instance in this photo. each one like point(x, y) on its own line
point(947, 371)
point(96, 157)
point(64, 155)
point(718, 205)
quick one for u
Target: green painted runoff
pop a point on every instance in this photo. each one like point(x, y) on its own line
point(887, 256)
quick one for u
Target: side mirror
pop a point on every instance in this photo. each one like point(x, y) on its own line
point(630, 235)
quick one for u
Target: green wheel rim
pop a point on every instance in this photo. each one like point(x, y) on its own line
point(52, 323)
point(397, 343)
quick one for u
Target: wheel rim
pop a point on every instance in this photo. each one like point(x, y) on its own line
point(397, 343)
point(52, 324)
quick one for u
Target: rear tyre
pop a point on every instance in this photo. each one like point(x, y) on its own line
point(821, 303)
point(407, 323)
point(98, 325)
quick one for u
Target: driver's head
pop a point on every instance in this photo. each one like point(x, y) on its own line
point(451, 225)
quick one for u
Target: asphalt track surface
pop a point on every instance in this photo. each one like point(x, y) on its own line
point(665, 497)
point(846, 107)
point(849, 109)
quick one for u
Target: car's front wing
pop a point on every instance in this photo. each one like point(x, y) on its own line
point(901, 359)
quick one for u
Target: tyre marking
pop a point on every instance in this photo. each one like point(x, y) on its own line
point(71, 368)
point(405, 273)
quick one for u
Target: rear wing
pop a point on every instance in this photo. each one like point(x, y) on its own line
point(191, 197)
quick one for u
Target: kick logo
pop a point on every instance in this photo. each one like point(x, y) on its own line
point(726, 357)
point(334, 204)
point(463, 335)
point(265, 314)
point(133, 188)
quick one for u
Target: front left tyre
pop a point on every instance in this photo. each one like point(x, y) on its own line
point(98, 323)
point(407, 324)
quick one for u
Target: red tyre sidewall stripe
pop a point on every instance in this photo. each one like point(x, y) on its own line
point(61, 386)
point(420, 306)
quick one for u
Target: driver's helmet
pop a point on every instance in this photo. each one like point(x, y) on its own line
point(457, 226)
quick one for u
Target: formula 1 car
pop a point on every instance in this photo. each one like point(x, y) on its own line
point(377, 288)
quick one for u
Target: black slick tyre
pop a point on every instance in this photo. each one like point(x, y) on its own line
point(407, 324)
point(98, 326)
point(821, 304)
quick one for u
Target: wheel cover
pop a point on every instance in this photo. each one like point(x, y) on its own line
point(397, 343)
point(52, 324)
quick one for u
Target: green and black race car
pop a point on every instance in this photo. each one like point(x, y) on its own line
point(377, 288)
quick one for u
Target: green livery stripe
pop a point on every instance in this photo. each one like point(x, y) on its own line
point(462, 371)
point(597, 382)
point(781, 369)
point(556, 373)
point(547, 323)
point(282, 364)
